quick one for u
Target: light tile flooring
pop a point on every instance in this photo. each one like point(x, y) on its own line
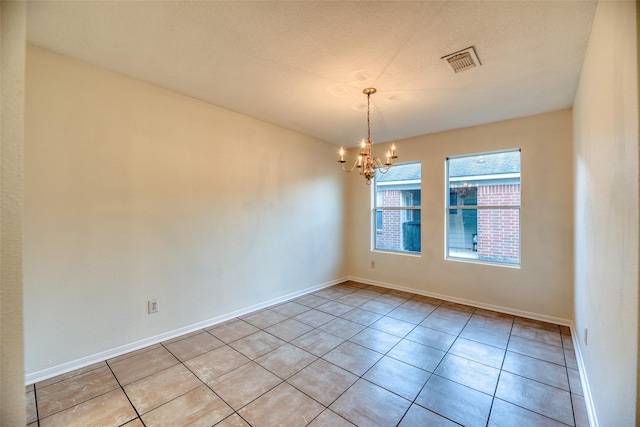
point(347, 355)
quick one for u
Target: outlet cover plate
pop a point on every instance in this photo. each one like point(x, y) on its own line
point(153, 305)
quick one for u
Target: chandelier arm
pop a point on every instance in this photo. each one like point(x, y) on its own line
point(380, 165)
point(349, 169)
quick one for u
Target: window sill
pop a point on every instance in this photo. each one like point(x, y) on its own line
point(482, 262)
point(403, 253)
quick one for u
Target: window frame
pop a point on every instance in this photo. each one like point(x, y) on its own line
point(375, 209)
point(448, 207)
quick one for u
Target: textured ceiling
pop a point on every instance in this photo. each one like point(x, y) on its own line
point(303, 65)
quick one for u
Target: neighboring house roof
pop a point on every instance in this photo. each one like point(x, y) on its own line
point(406, 172)
point(488, 164)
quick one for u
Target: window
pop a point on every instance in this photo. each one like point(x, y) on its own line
point(396, 209)
point(483, 212)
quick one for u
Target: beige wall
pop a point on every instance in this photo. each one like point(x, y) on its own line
point(606, 207)
point(133, 192)
point(12, 59)
point(541, 287)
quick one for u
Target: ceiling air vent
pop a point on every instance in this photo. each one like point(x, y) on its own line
point(463, 60)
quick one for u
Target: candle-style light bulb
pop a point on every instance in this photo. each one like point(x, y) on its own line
point(393, 150)
point(342, 154)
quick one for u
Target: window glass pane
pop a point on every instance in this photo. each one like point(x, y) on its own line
point(474, 180)
point(477, 227)
point(463, 196)
point(378, 220)
point(463, 230)
point(411, 198)
point(499, 235)
point(399, 187)
point(485, 234)
point(399, 230)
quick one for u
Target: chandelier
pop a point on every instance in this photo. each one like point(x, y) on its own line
point(366, 163)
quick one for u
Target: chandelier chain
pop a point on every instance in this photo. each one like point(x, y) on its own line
point(368, 119)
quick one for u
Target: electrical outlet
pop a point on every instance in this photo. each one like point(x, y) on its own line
point(153, 305)
point(586, 336)
point(373, 264)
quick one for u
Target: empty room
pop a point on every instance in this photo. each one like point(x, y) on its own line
point(319, 213)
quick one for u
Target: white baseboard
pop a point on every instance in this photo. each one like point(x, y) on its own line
point(506, 310)
point(67, 367)
point(584, 380)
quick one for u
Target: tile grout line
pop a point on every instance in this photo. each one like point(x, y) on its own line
point(290, 343)
point(76, 403)
point(495, 391)
point(35, 398)
point(126, 395)
point(513, 322)
point(263, 329)
point(436, 367)
point(502, 363)
point(235, 412)
point(566, 365)
point(412, 402)
point(361, 377)
point(534, 380)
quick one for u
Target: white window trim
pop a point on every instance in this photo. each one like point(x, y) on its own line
point(447, 207)
point(374, 208)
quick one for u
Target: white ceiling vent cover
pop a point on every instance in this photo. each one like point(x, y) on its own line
point(463, 60)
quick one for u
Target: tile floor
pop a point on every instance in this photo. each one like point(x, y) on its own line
point(351, 354)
